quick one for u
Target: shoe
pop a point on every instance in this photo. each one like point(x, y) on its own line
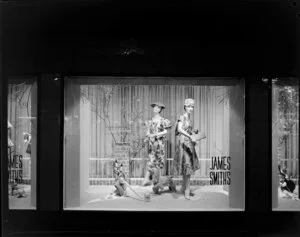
point(125, 194)
point(172, 189)
point(187, 195)
point(155, 189)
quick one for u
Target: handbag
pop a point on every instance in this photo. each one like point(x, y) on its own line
point(198, 137)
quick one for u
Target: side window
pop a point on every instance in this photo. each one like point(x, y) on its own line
point(285, 144)
point(22, 142)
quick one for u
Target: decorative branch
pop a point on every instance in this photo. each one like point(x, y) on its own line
point(102, 112)
point(21, 95)
point(288, 112)
point(130, 119)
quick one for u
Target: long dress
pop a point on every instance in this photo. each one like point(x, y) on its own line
point(185, 161)
point(156, 146)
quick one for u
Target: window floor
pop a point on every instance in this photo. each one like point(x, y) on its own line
point(205, 198)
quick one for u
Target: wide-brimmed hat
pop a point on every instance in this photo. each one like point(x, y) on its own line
point(161, 105)
point(189, 102)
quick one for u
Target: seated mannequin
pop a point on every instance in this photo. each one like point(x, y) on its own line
point(287, 186)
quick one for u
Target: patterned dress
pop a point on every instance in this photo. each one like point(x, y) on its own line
point(185, 161)
point(156, 145)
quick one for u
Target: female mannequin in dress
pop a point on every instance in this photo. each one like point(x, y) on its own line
point(9, 127)
point(155, 138)
point(186, 160)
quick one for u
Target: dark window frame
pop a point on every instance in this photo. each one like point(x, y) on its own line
point(268, 48)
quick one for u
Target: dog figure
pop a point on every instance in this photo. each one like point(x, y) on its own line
point(15, 190)
point(119, 179)
point(160, 182)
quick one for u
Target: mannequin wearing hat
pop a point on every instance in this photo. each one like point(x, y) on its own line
point(9, 127)
point(186, 160)
point(155, 139)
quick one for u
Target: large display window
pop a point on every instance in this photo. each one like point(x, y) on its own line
point(22, 142)
point(154, 143)
point(285, 144)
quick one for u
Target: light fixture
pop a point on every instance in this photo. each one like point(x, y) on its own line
point(57, 77)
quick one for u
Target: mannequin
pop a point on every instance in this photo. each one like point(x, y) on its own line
point(186, 160)
point(155, 139)
point(9, 127)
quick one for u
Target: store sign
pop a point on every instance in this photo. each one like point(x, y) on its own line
point(220, 170)
point(15, 168)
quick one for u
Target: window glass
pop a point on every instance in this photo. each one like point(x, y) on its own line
point(285, 140)
point(154, 144)
point(22, 142)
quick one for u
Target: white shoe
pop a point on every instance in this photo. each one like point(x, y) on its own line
point(187, 194)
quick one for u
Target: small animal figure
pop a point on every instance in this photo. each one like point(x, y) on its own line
point(15, 190)
point(120, 184)
point(160, 182)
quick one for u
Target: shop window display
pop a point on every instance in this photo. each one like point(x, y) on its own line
point(285, 144)
point(22, 142)
point(154, 143)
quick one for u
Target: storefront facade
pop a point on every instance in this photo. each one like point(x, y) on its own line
point(76, 92)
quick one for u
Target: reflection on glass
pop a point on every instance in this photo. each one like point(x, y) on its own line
point(154, 144)
point(22, 127)
point(285, 148)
